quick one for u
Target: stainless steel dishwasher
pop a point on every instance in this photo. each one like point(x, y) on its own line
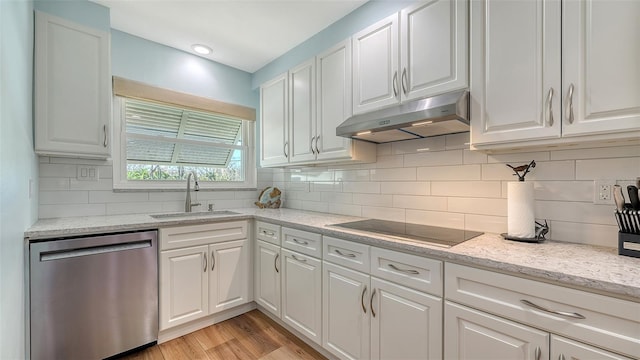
point(93, 297)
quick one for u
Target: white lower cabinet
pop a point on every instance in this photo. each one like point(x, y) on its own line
point(205, 272)
point(302, 294)
point(566, 349)
point(472, 334)
point(267, 277)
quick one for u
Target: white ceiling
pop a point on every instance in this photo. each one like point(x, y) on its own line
point(245, 34)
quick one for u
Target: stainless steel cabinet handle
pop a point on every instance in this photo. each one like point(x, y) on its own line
point(551, 311)
point(343, 254)
point(395, 80)
point(205, 261)
point(275, 263)
point(550, 104)
point(408, 271)
point(561, 357)
point(268, 233)
point(364, 309)
point(298, 259)
point(105, 142)
point(373, 293)
point(213, 261)
point(569, 110)
point(404, 79)
point(537, 353)
point(300, 242)
point(286, 144)
point(311, 145)
point(317, 150)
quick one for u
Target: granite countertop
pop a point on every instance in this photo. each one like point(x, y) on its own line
point(594, 268)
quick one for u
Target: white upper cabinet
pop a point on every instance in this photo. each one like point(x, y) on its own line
point(274, 115)
point(334, 101)
point(515, 70)
point(554, 72)
point(302, 112)
point(601, 66)
point(433, 48)
point(419, 52)
point(375, 66)
point(72, 89)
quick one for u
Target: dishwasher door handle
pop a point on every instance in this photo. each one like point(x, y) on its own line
point(93, 250)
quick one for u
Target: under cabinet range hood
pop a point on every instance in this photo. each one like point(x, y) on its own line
point(438, 115)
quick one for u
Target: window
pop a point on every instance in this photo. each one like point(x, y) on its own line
point(160, 144)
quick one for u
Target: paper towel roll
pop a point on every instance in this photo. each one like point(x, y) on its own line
point(521, 221)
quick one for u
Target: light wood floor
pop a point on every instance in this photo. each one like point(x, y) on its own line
point(250, 336)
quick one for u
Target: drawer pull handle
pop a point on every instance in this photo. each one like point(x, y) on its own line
point(561, 357)
point(213, 261)
point(556, 312)
point(300, 242)
point(537, 353)
point(343, 254)
point(364, 309)
point(299, 259)
point(268, 233)
point(373, 313)
point(408, 271)
point(275, 263)
point(204, 257)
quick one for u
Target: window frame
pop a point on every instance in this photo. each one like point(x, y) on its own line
point(120, 181)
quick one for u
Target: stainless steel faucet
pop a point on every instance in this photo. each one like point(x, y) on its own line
point(188, 205)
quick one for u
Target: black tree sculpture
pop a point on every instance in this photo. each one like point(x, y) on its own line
point(522, 168)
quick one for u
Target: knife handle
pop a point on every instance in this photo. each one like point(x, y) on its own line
point(633, 197)
point(618, 196)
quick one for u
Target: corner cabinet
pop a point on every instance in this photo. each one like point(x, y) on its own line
point(72, 89)
point(419, 52)
point(274, 119)
point(558, 83)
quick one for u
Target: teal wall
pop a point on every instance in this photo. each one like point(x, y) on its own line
point(18, 165)
point(357, 20)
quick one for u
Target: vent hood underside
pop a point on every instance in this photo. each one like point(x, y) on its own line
point(437, 115)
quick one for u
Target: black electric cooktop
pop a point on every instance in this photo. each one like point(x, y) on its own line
point(433, 235)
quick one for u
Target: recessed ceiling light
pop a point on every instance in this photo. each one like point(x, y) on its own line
point(201, 49)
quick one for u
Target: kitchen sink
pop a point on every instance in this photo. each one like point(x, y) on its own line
point(215, 213)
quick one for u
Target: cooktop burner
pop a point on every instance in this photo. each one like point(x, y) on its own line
point(433, 235)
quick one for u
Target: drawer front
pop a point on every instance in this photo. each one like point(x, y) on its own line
point(193, 235)
point(268, 232)
point(346, 253)
point(416, 272)
point(603, 321)
point(302, 241)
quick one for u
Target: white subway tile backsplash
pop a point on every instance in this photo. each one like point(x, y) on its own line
point(518, 158)
point(480, 206)
point(474, 157)
point(437, 158)
point(59, 184)
point(74, 161)
point(134, 208)
point(246, 195)
point(43, 159)
point(69, 210)
point(383, 149)
point(617, 169)
point(326, 186)
point(63, 197)
point(57, 170)
point(384, 213)
point(168, 195)
point(437, 143)
point(592, 234)
point(345, 209)
point(101, 184)
point(352, 175)
point(336, 197)
point(106, 196)
point(596, 153)
point(563, 190)
point(544, 170)
point(361, 187)
point(372, 200)
point(391, 161)
point(420, 202)
point(406, 187)
point(577, 212)
point(457, 141)
point(315, 206)
point(484, 223)
point(458, 172)
point(436, 218)
point(492, 189)
point(397, 174)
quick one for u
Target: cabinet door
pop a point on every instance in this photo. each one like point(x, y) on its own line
point(302, 294)
point(274, 103)
point(73, 89)
point(267, 277)
point(345, 320)
point(471, 334)
point(405, 324)
point(515, 70)
point(302, 111)
point(229, 275)
point(434, 48)
point(334, 101)
point(601, 66)
point(184, 285)
point(565, 349)
point(376, 82)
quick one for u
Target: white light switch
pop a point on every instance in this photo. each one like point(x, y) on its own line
point(87, 173)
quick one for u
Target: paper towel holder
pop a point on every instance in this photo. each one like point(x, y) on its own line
point(541, 231)
point(522, 168)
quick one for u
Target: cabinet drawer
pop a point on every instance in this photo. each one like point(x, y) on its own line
point(409, 270)
point(599, 320)
point(268, 232)
point(346, 253)
point(192, 235)
point(302, 241)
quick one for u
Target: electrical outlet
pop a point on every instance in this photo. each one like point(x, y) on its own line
point(87, 173)
point(603, 192)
